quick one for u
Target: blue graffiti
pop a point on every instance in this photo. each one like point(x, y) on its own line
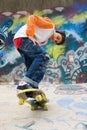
point(4, 26)
point(65, 102)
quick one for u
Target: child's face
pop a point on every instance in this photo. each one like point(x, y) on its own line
point(57, 38)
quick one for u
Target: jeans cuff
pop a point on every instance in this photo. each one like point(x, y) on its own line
point(30, 81)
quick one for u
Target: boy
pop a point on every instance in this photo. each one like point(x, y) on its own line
point(28, 42)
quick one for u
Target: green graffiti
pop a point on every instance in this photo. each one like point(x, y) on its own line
point(40, 13)
point(19, 20)
point(58, 20)
point(55, 51)
point(80, 16)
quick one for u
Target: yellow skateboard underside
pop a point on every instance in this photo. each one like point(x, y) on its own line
point(33, 92)
point(38, 95)
point(27, 90)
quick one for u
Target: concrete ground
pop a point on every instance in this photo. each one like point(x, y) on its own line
point(67, 109)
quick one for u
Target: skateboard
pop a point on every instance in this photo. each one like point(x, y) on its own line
point(36, 98)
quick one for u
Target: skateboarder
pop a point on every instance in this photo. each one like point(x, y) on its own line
point(28, 41)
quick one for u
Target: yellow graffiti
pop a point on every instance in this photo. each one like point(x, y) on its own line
point(40, 13)
point(58, 20)
point(80, 16)
point(16, 21)
point(55, 51)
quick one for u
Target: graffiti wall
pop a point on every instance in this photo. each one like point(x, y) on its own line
point(68, 62)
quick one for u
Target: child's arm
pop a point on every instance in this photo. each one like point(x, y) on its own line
point(42, 22)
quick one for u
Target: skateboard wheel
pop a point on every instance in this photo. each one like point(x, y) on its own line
point(38, 98)
point(21, 101)
point(45, 108)
point(34, 107)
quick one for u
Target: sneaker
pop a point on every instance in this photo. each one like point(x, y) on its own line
point(26, 94)
point(22, 87)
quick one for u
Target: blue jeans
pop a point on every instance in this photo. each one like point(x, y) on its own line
point(36, 60)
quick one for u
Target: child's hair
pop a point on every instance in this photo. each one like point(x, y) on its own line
point(63, 37)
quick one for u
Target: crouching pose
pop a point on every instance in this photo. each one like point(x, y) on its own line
point(28, 41)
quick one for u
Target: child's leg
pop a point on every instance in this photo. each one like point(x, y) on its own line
point(39, 58)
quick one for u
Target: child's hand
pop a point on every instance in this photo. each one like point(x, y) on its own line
point(33, 40)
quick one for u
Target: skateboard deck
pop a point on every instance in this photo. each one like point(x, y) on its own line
point(34, 97)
